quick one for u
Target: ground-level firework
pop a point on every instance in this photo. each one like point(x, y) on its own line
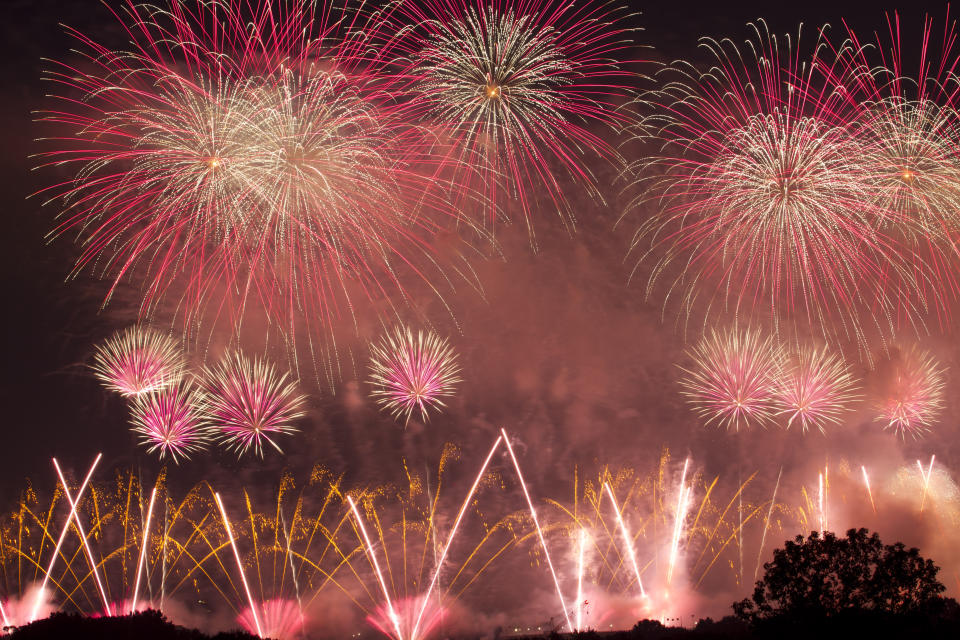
point(411, 559)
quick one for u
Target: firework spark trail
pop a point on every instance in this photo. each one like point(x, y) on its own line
point(391, 611)
point(627, 540)
point(143, 551)
point(236, 555)
point(583, 544)
point(678, 522)
point(536, 523)
point(63, 535)
point(866, 482)
point(293, 570)
point(3, 614)
point(83, 538)
point(766, 525)
point(453, 532)
point(821, 501)
point(926, 481)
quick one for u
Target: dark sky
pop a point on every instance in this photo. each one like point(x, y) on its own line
point(563, 351)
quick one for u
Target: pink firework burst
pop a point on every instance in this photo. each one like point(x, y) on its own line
point(242, 158)
point(412, 371)
point(762, 196)
point(171, 421)
point(512, 95)
point(405, 615)
point(247, 401)
point(912, 397)
point(816, 389)
point(279, 619)
point(733, 379)
point(138, 360)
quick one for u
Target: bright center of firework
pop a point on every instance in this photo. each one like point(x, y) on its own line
point(493, 91)
point(907, 175)
point(213, 163)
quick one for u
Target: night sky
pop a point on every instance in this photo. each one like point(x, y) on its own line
point(561, 349)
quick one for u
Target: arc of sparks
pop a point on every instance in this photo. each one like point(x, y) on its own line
point(236, 554)
point(866, 482)
point(63, 535)
point(143, 551)
point(536, 522)
point(376, 567)
point(83, 537)
point(627, 540)
point(453, 533)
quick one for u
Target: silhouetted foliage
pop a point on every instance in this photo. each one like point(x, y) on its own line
point(146, 625)
point(824, 576)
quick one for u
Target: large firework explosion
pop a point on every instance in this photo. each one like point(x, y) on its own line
point(511, 93)
point(234, 158)
point(764, 199)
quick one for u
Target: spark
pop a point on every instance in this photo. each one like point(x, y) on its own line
point(63, 534)
point(143, 551)
point(536, 523)
point(453, 533)
point(679, 518)
point(582, 546)
point(83, 537)
point(236, 555)
point(627, 540)
point(926, 481)
point(866, 483)
point(391, 612)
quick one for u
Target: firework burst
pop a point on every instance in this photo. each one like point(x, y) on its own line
point(733, 379)
point(138, 360)
point(239, 160)
point(410, 372)
point(171, 421)
point(816, 389)
point(248, 401)
point(511, 92)
point(912, 398)
point(762, 196)
point(280, 619)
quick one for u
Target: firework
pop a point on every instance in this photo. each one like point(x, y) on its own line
point(237, 160)
point(866, 483)
point(763, 195)
point(138, 360)
point(912, 398)
point(143, 551)
point(816, 389)
point(243, 576)
point(248, 401)
point(412, 372)
point(171, 421)
point(733, 380)
point(511, 94)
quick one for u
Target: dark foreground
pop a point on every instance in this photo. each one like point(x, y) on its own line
point(147, 625)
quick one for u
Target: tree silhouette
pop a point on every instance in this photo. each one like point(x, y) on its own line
point(824, 576)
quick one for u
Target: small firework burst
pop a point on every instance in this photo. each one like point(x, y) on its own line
point(171, 421)
point(411, 372)
point(912, 398)
point(816, 389)
point(138, 360)
point(733, 379)
point(247, 401)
